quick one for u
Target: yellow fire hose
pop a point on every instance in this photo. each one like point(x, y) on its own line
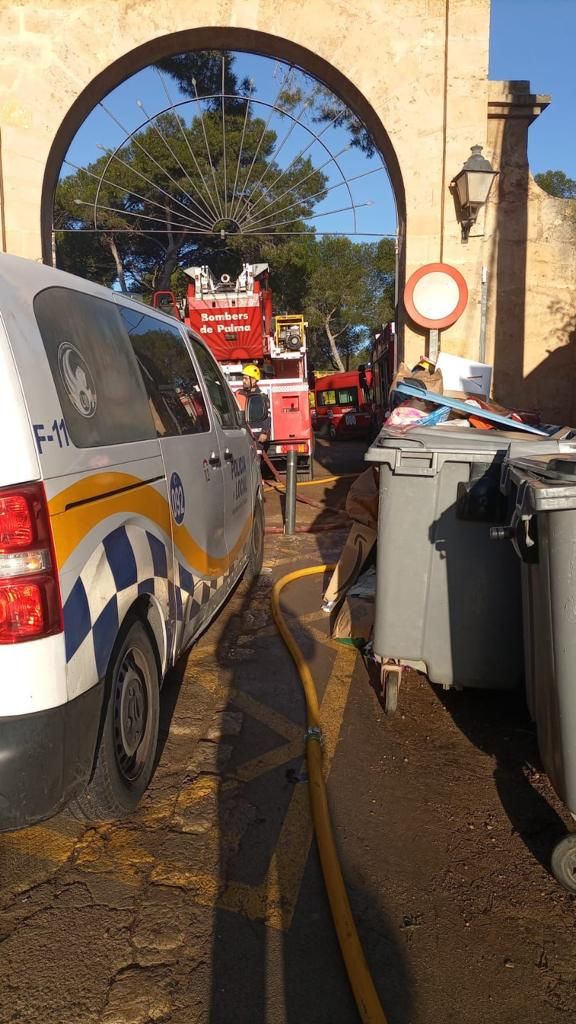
point(327, 479)
point(321, 480)
point(361, 982)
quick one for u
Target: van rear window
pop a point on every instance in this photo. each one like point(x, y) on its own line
point(94, 367)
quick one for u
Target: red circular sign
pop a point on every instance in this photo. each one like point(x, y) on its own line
point(435, 296)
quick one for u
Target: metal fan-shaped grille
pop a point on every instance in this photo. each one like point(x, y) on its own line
point(227, 163)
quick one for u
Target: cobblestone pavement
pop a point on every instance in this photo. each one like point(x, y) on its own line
point(208, 904)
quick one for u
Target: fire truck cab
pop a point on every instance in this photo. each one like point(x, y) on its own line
point(235, 320)
point(344, 406)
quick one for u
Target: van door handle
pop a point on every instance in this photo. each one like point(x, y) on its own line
point(214, 459)
point(228, 456)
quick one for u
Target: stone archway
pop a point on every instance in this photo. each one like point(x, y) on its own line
point(219, 39)
point(398, 66)
point(416, 73)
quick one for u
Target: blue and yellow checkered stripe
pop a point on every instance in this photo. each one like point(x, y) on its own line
point(130, 562)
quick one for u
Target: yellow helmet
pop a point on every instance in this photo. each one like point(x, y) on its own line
point(251, 370)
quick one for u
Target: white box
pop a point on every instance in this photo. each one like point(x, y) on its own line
point(465, 375)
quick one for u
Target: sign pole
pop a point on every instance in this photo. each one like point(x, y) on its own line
point(433, 345)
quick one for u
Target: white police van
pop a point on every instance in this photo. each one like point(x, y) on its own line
point(130, 505)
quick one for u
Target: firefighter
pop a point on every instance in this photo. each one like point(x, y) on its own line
point(250, 377)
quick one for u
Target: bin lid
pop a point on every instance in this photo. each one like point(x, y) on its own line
point(544, 483)
point(451, 438)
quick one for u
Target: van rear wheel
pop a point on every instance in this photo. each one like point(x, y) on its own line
point(127, 749)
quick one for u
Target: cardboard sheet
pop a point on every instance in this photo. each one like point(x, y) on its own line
point(358, 546)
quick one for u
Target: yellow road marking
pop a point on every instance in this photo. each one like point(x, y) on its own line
point(274, 900)
point(204, 888)
point(267, 762)
point(120, 850)
point(31, 855)
point(267, 716)
point(156, 812)
point(275, 721)
point(288, 863)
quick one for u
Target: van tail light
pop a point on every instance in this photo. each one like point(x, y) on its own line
point(30, 603)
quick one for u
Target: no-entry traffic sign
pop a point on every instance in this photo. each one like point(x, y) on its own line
point(435, 296)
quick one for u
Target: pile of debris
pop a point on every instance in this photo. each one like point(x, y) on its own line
point(418, 398)
point(426, 396)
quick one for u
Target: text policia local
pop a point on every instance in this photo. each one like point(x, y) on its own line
point(224, 322)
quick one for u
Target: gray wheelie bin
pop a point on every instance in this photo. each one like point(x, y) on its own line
point(543, 532)
point(447, 598)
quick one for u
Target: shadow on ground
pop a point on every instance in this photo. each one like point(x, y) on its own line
point(282, 961)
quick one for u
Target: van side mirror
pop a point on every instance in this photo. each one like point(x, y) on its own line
point(256, 409)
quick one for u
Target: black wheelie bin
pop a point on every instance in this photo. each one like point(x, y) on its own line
point(543, 533)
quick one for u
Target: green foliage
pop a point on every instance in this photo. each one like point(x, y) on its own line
point(169, 191)
point(169, 197)
point(557, 183)
point(327, 108)
point(199, 72)
point(350, 291)
point(330, 108)
point(291, 263)
point(205, 67)
point(86, 257)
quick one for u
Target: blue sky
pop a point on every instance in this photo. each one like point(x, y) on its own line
point(536, 40)
point(530, 39)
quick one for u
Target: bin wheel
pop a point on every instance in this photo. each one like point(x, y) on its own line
point(390, 677)
point(332, 433)
point(564, 862)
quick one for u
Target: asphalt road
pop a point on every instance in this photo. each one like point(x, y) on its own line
point(208, 905)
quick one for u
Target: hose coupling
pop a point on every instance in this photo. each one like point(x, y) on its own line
point(314, 732)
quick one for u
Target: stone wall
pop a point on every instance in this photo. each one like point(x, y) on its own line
point(531, 240)
point(549, 351)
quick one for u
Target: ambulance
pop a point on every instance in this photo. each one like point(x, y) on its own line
point(130, 506)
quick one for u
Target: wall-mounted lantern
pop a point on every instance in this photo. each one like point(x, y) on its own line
point(471, 187)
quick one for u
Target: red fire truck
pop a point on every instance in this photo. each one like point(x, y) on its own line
point(344, 406)
point(236, 321)
point(384, 366)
